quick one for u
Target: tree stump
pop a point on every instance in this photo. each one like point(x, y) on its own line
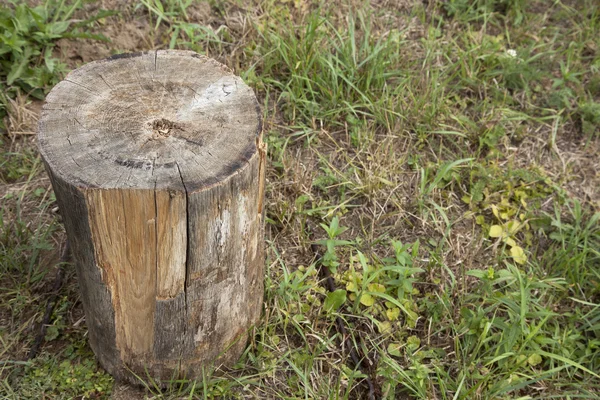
point(157, 162)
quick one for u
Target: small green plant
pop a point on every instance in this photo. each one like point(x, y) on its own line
point(15, 165)
point(384, 287)
point(506, 232)
point(443, 176)
point(65, 379)
point(330, 259)
point(516, 70)
point(27, 39)
point(509, 198)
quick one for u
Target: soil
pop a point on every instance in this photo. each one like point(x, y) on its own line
point(124, 37)
point(122, 391)
point(128, 31)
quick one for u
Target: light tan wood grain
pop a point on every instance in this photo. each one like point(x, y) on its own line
point(123, 226)
point(171, 230)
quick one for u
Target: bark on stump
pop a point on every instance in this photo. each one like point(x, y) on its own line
point(157, 162)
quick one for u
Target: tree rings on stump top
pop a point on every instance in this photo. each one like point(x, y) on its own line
point(149, 120)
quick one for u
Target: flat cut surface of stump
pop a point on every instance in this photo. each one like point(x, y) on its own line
point(147, 120)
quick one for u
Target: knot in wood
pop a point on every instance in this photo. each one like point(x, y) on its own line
point(162, 127)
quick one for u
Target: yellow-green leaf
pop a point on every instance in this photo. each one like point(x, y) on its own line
point(524, 203)
point(495, 211)
point(413, 342)
point(385, 181)
point(513, 227)
point(393, 313)
point(496, 231)
point(367, 300)
point(351, 286)
point(384, 326)
point(376, 287)
point(411, 319)
point(534, 359)
point(510, 242)
point(334, 300)
point(518, 255)
point(394, 349)
point(299, 318)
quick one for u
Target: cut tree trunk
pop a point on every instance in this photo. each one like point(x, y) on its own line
point(157, 162)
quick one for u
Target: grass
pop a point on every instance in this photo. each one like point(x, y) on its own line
point(27, 40)
point(442, 157)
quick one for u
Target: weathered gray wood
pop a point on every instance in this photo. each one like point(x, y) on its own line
point(157, 162)
point(95, 295)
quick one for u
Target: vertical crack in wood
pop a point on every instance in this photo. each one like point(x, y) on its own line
point(156, 244)
point(262, 162)
point(124, 348)
point(218, 234)
point(187, 258)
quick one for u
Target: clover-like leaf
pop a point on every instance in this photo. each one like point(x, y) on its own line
point(394, 349)
point(518, 254)
point(534, 359)
point(392, 313)
point(496, 231)
point(413, 342)
point(513, 227)
point(351, 286)
point(376, 287)
point(367, 300)
point(384, 326)
point(495, 211)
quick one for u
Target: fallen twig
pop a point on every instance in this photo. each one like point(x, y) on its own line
point(341, 327)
